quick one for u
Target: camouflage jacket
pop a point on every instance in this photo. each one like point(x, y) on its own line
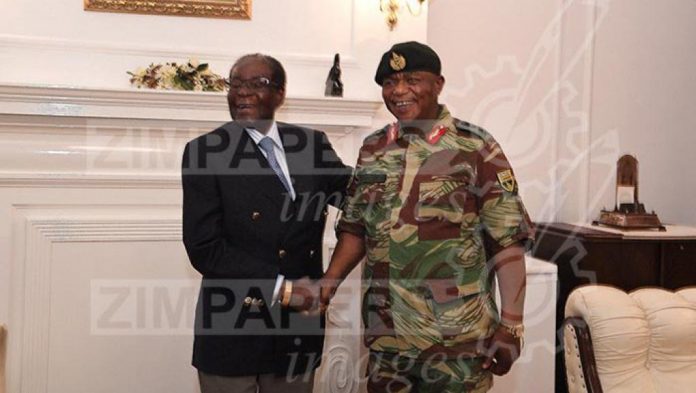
point(431, 207)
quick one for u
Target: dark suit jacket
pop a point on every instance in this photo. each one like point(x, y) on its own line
point(240, 231)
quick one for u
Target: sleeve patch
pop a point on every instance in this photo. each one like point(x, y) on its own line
point(506, 180)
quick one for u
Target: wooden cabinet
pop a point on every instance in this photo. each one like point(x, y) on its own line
point(628, 260)
point(678, 263)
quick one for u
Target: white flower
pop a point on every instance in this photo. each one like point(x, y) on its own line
point(168, 76)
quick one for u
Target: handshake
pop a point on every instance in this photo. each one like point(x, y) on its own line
point(312, 297)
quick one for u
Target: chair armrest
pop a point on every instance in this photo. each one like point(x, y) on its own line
point(581, 369)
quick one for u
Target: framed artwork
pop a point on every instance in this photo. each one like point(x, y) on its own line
point(231, 9)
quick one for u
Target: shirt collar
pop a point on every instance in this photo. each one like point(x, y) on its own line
point(444, 119)
point(273, 133)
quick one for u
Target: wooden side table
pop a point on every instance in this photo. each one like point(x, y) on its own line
point(587, 254)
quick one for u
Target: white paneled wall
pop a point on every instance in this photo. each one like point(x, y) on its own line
point(58, 43)
point(643, 90)
point(95, 283)
point(567, 86)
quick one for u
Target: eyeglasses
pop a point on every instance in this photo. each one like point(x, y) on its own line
point(258, 83)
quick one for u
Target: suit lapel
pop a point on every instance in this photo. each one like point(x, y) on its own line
point(255, 171)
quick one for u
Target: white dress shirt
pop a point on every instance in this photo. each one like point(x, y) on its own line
point(279, 152)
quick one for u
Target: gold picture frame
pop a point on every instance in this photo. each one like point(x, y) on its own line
point(229, 9)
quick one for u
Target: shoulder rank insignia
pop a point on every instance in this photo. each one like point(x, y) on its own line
point(397, 62)
point(436, 134)
point(506, 180)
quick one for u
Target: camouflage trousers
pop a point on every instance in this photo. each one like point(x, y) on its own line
point(392, 373)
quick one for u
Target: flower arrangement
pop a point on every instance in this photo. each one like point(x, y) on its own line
point(173, 76)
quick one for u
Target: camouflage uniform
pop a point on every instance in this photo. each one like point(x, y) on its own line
point(429, 207)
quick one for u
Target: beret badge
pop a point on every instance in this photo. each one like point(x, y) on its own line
point(397, 62)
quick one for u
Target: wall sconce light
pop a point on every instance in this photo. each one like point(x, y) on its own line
point(392, 7)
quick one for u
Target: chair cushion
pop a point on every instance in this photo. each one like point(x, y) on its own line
point(644, 341)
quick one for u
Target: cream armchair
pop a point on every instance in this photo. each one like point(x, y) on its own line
point(638, 342)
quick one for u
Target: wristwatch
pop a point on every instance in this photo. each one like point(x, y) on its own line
point(516, 331)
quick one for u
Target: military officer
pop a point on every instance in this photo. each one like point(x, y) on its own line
point(434, 205)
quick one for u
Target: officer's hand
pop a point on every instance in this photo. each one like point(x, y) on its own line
point(328, 290)
point(305, 295)
point(502, 351)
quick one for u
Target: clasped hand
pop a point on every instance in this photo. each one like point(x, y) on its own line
point(312, 296)
point(305, 296)
point(503, 349)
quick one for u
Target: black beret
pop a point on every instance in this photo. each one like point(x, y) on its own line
point(405, 57)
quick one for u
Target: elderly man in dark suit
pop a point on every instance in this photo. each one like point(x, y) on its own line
point(255, 198)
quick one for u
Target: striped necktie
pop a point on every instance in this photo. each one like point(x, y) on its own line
point(266, 144)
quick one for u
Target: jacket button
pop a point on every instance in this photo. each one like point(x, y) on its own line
point(282, 253)
point(311, 253)
point(255, 216)
point(247, 300)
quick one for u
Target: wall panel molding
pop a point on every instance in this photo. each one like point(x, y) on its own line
point(10, 41)
point(78, 180)
point(172, 105)
point(579, 26)
point(35, 228)
point(131, 138)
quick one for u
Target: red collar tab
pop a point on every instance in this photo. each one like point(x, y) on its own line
point(392, 132)
point(436, 134)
